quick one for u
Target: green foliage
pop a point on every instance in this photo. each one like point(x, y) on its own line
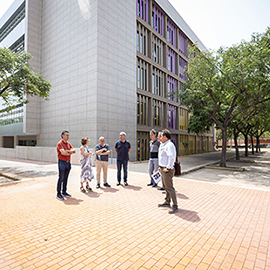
point(18, 81)
point(226, 83)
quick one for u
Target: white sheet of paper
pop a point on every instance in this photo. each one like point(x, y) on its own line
point(156, 176)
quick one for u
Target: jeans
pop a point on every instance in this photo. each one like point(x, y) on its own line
point(153, 167)
point(64, 169)
point(119, 168)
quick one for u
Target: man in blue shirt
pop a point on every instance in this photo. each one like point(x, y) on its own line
point(122, 147)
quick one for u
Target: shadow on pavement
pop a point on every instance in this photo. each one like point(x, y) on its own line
point(136, 188)
point(188, 215)
point(109, 189)
point(72, 201)
point(182, 196)
point(92, 194)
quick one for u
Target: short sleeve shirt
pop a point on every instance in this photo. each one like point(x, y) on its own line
point(122, 149)
point(65, 146)
point(102, 157)
point(154, 146)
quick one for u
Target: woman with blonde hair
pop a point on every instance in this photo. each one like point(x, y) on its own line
point(86, 166)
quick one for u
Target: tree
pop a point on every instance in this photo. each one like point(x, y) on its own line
point(227, 83)
point(18, 81)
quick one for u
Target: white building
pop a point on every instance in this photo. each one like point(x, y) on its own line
point(111, 65)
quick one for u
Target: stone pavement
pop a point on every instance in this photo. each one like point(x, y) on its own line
point(219, 225)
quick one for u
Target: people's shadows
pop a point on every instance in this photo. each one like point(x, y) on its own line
point(136, 188)
point(182, 196)
point(188, 215)
point(72, 201)
point(92, 194)
point(109, 189)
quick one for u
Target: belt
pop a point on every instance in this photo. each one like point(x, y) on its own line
point(64, 160)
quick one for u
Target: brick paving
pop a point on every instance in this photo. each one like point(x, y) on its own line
point(217, 226)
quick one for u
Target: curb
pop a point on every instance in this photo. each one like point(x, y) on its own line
point(10, 176)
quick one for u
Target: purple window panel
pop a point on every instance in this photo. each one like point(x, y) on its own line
point(182, 44)
point(171, 33)
point(171, 60)
point(182, 67)
point(171, 116)
point(158, 20)
point(142, 9)
point(174, 139)
point(172, 89)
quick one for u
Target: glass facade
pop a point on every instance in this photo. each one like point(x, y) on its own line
point(157, 19)
point(182, 43)
point(171, 59)
point(162, 61)
point(142, 9)
point(171, 33)
point(142, 39)
point(172, 88)
point(12, 117)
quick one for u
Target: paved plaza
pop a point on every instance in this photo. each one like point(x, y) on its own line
point(223, 220)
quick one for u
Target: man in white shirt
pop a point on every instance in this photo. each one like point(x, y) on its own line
point(166, 159)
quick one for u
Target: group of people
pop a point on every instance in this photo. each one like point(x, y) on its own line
point(162, 158)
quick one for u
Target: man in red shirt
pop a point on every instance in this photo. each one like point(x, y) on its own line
point(64, 151)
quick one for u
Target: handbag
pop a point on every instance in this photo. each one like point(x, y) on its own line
point(177, 167)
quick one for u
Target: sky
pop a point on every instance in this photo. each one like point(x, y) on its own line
point(216, 22)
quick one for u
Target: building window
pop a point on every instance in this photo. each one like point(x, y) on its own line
point(142, 75)
point(182, 43)
point(12, 117)
point(183, 119)
point(157, 112)
point(157, 50)
point(172, 88)
point(158, 20)
point(142, 38)
point(182, 67)
point(138, 41)
point(12, 22)
point(143, 146)
point(171, 116)
point(142, 110)
point(157, 82)
point(139, 76)
point(142, 9)
point(171, 33)
point(171, 59)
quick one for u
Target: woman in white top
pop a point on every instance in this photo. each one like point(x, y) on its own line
point(86, 168)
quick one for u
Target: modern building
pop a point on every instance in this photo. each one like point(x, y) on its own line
point(112, 66)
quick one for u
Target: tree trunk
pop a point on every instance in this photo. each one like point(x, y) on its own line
point(224, 147)
point(252, 145)
point(235, 135)
point(246, 145)
point(257, 144)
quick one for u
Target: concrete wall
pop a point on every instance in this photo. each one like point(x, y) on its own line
point(89, 56)
point(69, 62)
point(116, 71)
point(44, 154)
point(33, 16)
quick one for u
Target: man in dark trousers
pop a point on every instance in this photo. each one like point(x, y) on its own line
point(64, 151)
point(122, 147)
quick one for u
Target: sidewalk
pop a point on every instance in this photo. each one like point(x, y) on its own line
point(218, 226)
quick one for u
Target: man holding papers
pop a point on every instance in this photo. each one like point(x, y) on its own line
point(166, 159)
